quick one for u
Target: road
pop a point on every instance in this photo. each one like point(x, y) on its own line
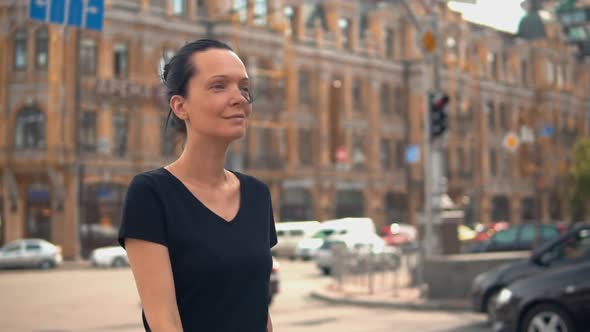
point(83, 300)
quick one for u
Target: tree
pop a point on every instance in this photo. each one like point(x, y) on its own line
point(580, 176)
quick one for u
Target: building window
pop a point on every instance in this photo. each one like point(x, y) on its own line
point(550, 68)
point(493, 163)
point(489, 109)
point(88, 56)
point(358, 152)
point(385, 156)
point(178, 7)
point(400, 155)
point(493, 62)
point(202, 8)
point(304, 87)
point(88, 132)
point(20, 50)
point(357, 94)
point(158, 6)
point(504, 117)
point(42, 48)
point(389, 43)
point(399, 101)
point(120, 126)
point(306, 139)
point(240, 8)
point(121, 60)
point(164, 59)
point(345, 26)
point(291, 25)
point(384, 100)
point(260, 12)
point(30, 129)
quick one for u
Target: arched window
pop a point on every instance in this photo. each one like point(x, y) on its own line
point(30, 129)
point(20, 50)
point(42, 48)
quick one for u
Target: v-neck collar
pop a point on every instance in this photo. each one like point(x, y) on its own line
point(199, 202)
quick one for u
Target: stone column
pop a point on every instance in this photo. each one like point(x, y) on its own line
point(484, 213)
point(14, 211)
point(324, 119)
point(105, 130)
point(515, 210)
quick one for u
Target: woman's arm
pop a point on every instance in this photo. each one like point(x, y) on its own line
point(151, 268)
point(269, 324)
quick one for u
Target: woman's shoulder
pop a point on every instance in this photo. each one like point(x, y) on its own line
point(149, 178)
point(252, 182)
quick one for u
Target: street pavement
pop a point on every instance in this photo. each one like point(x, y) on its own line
point(85, 299)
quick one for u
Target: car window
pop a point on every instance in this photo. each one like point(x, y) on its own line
point(528, 233)
point(296, 232)
point(323, 233)
point(280, 233)
point(549, 232)
point(578, 246)
point(506, 236)
point(32, 247)
point(12, 247)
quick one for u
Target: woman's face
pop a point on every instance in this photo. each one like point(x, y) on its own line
point(217, 104)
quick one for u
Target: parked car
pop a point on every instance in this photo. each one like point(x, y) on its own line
point(114, 256)
point(30, 253)
point(519, 237)
point(274, 281)
point(360, 246)
point(289, 234)
point(307, 248)
point(555, 301)
point(399, 235)
point(570, 248)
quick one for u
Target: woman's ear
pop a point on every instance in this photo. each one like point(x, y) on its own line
point(177, 106)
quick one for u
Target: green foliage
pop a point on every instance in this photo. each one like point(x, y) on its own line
point(579, 189)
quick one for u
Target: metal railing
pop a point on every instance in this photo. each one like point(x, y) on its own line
point(368, 272)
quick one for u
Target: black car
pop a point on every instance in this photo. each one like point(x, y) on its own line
point(557, 253)
point(517, 238)
point(555, 301)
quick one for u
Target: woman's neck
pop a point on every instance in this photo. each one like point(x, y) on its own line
point(202, 162)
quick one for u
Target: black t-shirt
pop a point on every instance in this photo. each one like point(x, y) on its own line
point(221, 269)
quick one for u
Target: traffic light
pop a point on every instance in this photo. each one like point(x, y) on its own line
point(438, 114)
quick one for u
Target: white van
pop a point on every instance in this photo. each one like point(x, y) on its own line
point(307, 248)
point(290, 233)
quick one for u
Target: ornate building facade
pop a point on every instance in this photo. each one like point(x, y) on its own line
point(340, 90)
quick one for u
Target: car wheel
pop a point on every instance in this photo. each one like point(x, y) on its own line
point(490, 305)
point(547, 318)
point(118, 262)
point(326, 271)
point(46, 265)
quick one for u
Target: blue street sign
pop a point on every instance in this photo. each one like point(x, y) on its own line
point(86, 14)
point(547, 131)
point(38, 10)
point(412, 154)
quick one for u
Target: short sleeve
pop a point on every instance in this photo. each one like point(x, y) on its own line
point(143, 213)
point(272, 233)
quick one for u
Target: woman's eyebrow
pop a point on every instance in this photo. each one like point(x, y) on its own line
point(243, 79)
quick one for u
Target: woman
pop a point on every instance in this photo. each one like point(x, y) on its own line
point(198, 236)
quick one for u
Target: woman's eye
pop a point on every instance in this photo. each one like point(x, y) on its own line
point(218, 86)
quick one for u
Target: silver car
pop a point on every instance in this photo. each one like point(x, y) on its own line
point(30, 253)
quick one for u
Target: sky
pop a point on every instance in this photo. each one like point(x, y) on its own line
point(501, 14)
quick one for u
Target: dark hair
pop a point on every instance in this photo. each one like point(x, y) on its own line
point(178, 71)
